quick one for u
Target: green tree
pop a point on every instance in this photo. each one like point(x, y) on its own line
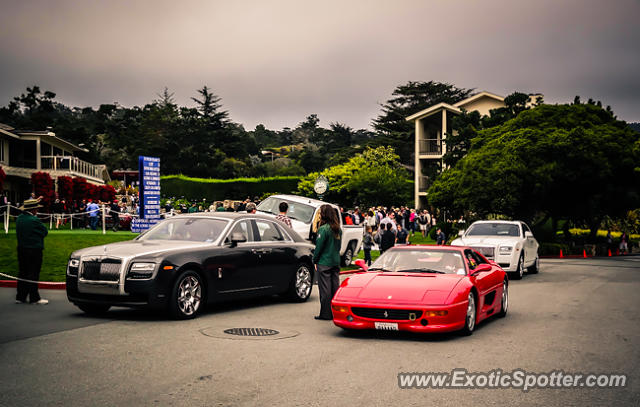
point(573, 162)
point(372, 177)
point(391, 125)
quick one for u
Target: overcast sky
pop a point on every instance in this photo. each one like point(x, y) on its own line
point(275, 62)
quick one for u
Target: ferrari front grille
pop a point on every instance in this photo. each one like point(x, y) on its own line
point(385, 313)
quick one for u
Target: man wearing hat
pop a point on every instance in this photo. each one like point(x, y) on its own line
point(30, 233)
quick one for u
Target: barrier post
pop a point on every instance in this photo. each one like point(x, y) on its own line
point(71, 220)
point(104, 229)
point(6, 219)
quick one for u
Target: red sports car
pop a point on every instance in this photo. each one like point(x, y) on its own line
point(422, 289)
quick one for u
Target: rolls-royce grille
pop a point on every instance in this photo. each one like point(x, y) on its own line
point(382, 313)
point(105, 270)
point(488, 252)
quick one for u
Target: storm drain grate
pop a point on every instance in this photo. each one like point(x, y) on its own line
point(251, 331)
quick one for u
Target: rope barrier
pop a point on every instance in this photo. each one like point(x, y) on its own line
point(31, 281)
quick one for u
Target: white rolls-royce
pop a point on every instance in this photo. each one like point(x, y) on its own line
point(509, 243)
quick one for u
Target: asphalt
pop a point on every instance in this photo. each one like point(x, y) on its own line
point(577, 315)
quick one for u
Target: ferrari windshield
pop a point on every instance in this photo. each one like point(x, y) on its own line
point(494, 229)
point(187, 229)
point(420, 261)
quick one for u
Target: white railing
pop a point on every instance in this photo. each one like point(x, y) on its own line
point(71, 164)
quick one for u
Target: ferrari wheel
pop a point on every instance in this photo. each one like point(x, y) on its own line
point(535, 267)
point(470, 319)
point(505, 300)
point(520, 270)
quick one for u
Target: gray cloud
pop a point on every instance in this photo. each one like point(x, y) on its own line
point(274, 62)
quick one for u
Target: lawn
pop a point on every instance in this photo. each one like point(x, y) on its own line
point(60, 243)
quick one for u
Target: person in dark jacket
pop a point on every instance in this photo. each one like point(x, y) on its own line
point(30, 233)
point(367, 243)
point(326, 257)
point(388, 239)
point(440, 237)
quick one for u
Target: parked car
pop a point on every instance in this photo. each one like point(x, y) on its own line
point(187, 261)
point(422, 289)
point(509, 243)
point(302, 212)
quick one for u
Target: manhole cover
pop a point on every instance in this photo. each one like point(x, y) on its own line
point(248, 334)
point(251, 331)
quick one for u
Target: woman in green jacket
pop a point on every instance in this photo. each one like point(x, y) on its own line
point(326, 256)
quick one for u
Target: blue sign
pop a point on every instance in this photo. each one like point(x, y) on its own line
point(149, 171)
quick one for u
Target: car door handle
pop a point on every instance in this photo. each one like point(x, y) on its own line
point(261, 251)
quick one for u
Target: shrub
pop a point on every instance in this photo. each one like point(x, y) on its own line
point(65, 188)
point(43, 186)
point(221, 189)
point(553, 249)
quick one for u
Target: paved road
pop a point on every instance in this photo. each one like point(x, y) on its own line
point(576, 315)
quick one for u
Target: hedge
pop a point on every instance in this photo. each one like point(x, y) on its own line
point(221, 189)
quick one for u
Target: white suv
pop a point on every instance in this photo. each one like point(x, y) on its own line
point(509, 243)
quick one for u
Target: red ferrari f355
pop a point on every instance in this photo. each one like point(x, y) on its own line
point(422, 289)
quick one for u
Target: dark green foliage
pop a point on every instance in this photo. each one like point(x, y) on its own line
point(572, 162)
point(218, 189)
point(391, 126)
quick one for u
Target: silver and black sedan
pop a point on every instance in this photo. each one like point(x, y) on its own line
point(187, 261)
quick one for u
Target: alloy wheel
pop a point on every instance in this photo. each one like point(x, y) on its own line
point(189, 295)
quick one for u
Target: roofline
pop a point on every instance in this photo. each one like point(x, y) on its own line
point(40, 133)
point(8, 133)
point(433, 109)
point(478, 96)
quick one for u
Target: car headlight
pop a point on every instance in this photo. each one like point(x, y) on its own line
point(506, 249)
point(141, 270)
point(72, 267)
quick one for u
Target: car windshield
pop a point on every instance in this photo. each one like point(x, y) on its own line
point(436, 261)
point(296, 210)
point(494, 229)
point(186, 229)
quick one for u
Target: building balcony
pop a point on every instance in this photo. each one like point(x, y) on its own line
point(423, 184)
point(430, 147)
point(59, 165)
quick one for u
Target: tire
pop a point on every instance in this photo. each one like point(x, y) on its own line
point(94, 309)
point(471, 317)
point(517, 275)
point(347, 258)
point(535, 267)
point(301, 284)
point(187, 296)
point(504, 307)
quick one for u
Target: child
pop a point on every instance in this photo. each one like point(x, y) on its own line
point(367, 242)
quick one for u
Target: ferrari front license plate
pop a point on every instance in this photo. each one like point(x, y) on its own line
point(386, 326)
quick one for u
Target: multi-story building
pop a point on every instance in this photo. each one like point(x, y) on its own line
point(431, 128)
point(23, 152)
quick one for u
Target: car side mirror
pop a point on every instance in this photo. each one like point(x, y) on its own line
point(528, 234)
point(237, 237)
point(461, 232)
point(482, 267)
point(360, 263)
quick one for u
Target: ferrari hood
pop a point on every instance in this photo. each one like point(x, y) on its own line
point(399, 288)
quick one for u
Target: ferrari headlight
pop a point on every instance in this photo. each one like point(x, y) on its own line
point(506, 249)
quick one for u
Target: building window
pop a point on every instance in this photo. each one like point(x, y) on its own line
point(3, 148)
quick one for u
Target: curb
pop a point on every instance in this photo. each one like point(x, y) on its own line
point(45, 285)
